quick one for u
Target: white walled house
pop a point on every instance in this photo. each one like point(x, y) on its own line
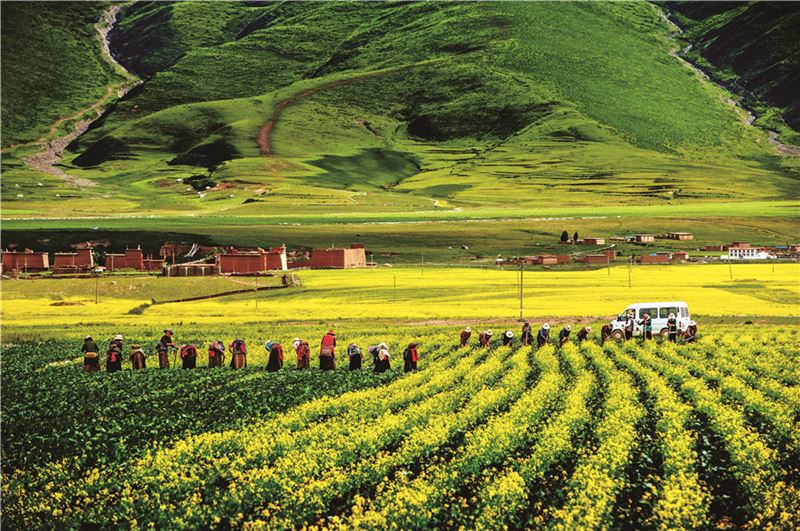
point(745, 252)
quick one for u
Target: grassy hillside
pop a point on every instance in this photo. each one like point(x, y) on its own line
point(753, 48)
point(52, 64)
point(253, 108)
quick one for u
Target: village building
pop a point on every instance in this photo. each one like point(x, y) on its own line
point(133, 259)
point(192, 270)
point(239, 262)
point(25, 261)
point(657, 258)
point(644, 238)
point(593, 241)
point(80, 261)
point(681, 236)
point(334, 258)
point(680, 256)
point(593, 259)
point(744, 251)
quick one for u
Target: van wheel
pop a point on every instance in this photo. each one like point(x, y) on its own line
point(664, 332)
point(618, 335)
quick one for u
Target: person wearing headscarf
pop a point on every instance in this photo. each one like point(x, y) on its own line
point(114, 357)
point(672, 328)
point(355, 355)
point(216, 354)
point(410, 357)
point(647, 327)
point(465, 335)
point(508, 337)
point(630, 323)
point(188, 354)
point(238, 351)
point(543, 336)
point(91, 355)
point(527, 334)
point(563, 336)
point(137, 357)
point(275, 361)
point(690, 336)
point(166, 342)
point(303, 352)
point(583, 334)
point(605, 333)
point(485, 338)
point(327, 354)
point(117, 340)
point(382, 358)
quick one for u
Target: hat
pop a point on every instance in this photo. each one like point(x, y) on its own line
point(588, 328)
point(330, 331)
point(87, 337)
point(671, 316)
point(296, 339)
point(382, 346)
point(118, 336)
point(546, 326)
point(268, 345)
point(168, 330)
point(568, 327)
point(135, 347)
point(468, 329)
point(488, 332)
point(692, 323)
point(509, 333)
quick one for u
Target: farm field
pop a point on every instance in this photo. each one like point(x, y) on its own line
point(403, 294)
point(623, 435)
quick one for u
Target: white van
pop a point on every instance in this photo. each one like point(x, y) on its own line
point(659, 313)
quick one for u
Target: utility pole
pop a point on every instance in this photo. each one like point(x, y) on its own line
point(394, 289)
point(730, 269)
point(630, 261)
point(97, 289)
point(422, 264)
point(256, 292)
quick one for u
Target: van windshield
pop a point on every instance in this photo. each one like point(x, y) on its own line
point(624, 315)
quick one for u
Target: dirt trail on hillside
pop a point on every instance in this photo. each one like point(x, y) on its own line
point(53, 144)
point(265, 133)
point(748, 118)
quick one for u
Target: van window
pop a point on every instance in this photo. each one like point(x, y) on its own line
point(665, 311)
point(652, 312)
point(623, 315)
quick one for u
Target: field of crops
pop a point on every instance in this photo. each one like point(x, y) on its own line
point(624, 435)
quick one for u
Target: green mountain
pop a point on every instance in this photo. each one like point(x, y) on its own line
point(262, 107)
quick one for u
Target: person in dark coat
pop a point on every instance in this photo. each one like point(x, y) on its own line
point(216, 354)
point(647, 327)
point(355, 355)
point(690, 336)
point(543, 336)
point(672, 328)
point(485, 338)
point(508, 337)
point(137, 358)
point(117, 341)
point(113, 358)
point(527, 334)
point(188, 355)
point(410, 357)
point(605, 333)
point(465, 335)
point(166, 342)
point(327, 352)
point(91, 355)
point(563, 336)
point(630, 324)
point(238, 351)
point(303, 352)
point(382, 358)
point(275, 361)
point(583, 334)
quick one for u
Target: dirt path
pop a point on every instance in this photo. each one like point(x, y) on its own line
point(53, 144)
point(748, 118)
point(265, 133)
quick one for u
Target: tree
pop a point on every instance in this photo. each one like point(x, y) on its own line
point(564, 236)
point(575, 237)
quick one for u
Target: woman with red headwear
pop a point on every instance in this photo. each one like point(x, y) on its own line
point(327, 355)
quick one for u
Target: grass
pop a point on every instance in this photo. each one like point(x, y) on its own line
point(429, 294)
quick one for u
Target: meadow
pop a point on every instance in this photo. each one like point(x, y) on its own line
point(624, 435)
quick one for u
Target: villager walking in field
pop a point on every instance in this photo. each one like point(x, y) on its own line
point(672, 328)
point(647, 327)
point(527, 334)
point(216, 354)
point(508, 337)
point(303, 352)
point(465, 335)
point(583, 334)
point(166, 342)
point(485, 338)
point(605, 333)
point(238, 351)
point(355, 355)
point(410, 357)
point(690, 336)
point(91, 357)
point(543, 336)
point(630, 323)
point(188, 354)
point(563, 336)
point(275, 361)
point(382, 358)
point(113, 358)
point(117, 340)
point(327, 352)
point(137, 358)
